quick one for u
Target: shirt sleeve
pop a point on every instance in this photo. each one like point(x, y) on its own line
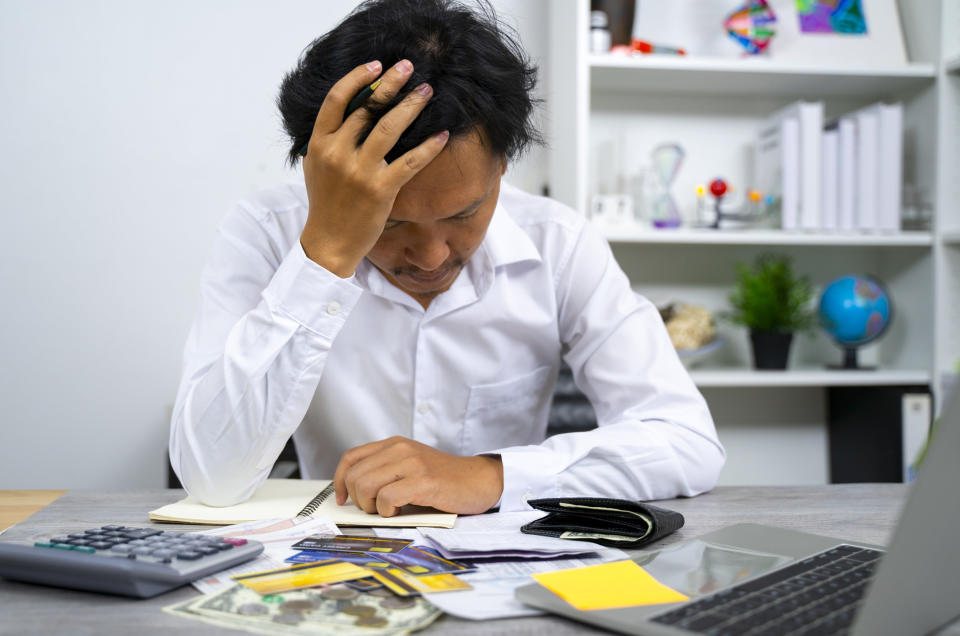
point(253, 358)
point(655, 437)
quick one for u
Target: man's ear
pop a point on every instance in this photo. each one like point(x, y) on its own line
point(503, 165)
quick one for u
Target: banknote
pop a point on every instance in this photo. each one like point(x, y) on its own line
point(335, 609)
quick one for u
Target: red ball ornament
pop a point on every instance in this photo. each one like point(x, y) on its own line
point(718, 187)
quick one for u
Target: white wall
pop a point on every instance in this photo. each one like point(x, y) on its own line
point(127, 130)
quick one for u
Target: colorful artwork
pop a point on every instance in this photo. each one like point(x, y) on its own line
point(831, 16)
point(751, 25)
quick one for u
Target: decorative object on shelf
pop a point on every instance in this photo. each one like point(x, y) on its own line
point(753, 209)
point(774, 303)
point(854, 310)
point(619, 19)
point(665, 163)
point(751, 25)
point(611, 209)
point(644, 47)
point(692, 331)
point(599, 33)
point(831, 16)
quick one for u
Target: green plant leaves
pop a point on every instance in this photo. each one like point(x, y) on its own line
point(770, 297)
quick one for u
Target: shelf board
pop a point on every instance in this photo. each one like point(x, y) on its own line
point(685, 236)
point(951, 237)
point(663, 74)
point(809, 377)
point(952, 64)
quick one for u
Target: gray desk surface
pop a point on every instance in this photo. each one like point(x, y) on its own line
point(862, 512)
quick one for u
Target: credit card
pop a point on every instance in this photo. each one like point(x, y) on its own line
point(403, 584)
point(418, 560)
point(296, 577)
point(364, 585)
point(349, 543)
point(359, 558)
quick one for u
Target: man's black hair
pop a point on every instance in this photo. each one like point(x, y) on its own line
point(482, 80)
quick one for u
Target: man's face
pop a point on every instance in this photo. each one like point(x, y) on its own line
point(439, 219)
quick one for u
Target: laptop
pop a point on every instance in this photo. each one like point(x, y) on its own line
point(800, 583)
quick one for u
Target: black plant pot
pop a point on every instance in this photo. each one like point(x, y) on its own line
point(770, 349)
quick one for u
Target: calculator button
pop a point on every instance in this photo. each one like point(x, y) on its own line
point(112, 528)
point(224, 546)
point(142, 551)
point(101, 545)
point(138, 542)
point(59, 539)
point(234, 541)
point(189, 556)
point(62, 546)
point(164, 554)
point(141, 533)
point(84, 549)
point(94, 531)
point(207, 551)
point(78, 542)
point(77, 535)
point(42, 544)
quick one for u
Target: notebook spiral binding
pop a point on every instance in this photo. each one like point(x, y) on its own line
point(315, 503)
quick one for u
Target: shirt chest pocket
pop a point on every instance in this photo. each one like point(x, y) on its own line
point(507, 413)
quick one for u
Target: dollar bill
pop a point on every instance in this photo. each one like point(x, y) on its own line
point(307, 611)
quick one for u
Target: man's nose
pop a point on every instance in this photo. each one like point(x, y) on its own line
point(427, 250)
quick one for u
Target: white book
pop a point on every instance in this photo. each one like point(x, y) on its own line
point(777, 166)
point(847, 182)
point(829, 209)
point(868, 170)
point(809, 116)
point(915, 427)
point(891, 165)
point(790, 173)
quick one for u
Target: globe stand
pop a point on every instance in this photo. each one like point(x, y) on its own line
point(850, 362)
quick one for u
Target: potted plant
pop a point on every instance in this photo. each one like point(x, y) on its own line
point(774, 303)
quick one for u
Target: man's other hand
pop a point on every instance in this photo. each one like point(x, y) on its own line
point(382, 477)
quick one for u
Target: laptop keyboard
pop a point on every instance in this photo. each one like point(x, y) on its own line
point(817, 596)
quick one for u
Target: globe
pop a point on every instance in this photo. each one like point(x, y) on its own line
point(854, 310)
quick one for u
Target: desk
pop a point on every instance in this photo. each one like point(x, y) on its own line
point(863, 512)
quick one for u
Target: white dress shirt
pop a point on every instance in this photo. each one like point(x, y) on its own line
point(283, 347)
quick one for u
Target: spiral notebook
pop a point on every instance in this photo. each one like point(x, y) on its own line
point(285, 498)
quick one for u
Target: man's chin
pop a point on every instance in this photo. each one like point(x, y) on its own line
point(420, 284)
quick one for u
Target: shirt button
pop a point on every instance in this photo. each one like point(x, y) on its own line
point(423, 408)
point(333, 308)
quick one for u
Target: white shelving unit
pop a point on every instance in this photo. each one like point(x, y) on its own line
point(617, 109)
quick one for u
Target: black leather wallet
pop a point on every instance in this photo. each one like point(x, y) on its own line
point(612, 522)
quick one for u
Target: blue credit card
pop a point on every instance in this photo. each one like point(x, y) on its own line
point(419, 560)
point(359, 558)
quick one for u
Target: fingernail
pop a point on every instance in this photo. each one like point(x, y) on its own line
point(424, 89)
point(404, 66)
point(374, 66)
point(442, 136)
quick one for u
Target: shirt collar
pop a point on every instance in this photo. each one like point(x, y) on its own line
point(506, 242)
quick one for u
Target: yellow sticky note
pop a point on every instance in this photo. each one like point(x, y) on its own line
point(609, 585)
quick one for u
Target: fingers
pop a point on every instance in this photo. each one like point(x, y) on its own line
point(388, 129)
point(347, 461)
point(335, 103)
point(394, 496)
point(404, 167)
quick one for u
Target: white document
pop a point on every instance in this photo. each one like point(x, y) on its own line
point(891, 165)
point(498, 534)
point(847, 182)
point(915, 427)
point(830, 208)
point(493, 584)
point(868, 170)
point(276, 535)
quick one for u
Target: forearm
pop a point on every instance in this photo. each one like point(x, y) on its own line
point(247, 386)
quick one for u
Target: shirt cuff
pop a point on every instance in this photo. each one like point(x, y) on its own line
point(313, 296)
point(527, 474)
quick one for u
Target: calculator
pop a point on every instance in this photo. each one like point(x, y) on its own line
point(124, 560)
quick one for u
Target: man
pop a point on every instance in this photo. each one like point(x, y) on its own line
point(403, 316)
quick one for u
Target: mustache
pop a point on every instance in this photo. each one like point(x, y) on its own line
point(416, 271)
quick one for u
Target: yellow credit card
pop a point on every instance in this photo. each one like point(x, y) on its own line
point(404, 584)
point(301, 575)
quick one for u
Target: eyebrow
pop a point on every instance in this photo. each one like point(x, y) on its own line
point(469, 208)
